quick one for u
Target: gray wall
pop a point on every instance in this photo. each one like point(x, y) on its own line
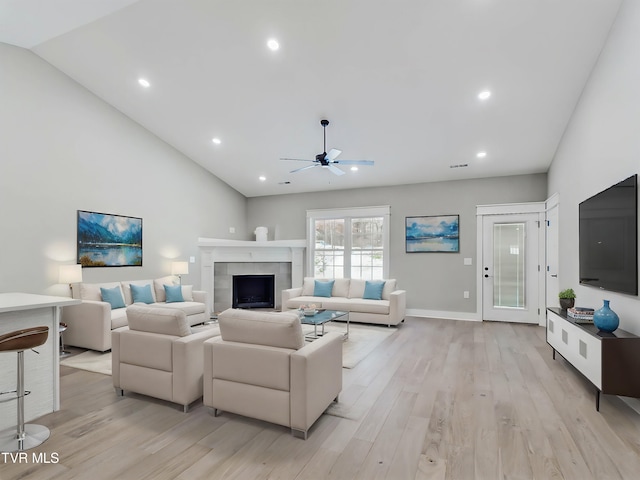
point(601, 147)
point(434, 281)
point(62, 149)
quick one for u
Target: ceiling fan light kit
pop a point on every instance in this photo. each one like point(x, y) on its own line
point(328, 160)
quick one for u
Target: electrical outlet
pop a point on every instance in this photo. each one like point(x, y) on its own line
point(232, 229)
point(466, 294)
point(468, 261)
point(192, 259)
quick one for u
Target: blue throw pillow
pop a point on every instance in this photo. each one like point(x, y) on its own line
point(173, 293)
point(373, 289)
point(141, 293)
point(323, 288)
point(112, 296)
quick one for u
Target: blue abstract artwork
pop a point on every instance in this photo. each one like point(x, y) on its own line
point(106, 240)
point(432, 234)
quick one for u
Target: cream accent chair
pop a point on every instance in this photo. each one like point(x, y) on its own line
point(260, 367)
point(158, 355)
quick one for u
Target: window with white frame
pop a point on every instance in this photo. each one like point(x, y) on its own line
point(348, 243)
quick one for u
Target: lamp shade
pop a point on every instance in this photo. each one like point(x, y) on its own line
point(70, 274)
point(179, 268)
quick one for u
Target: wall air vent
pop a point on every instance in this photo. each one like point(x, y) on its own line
point(459, 165)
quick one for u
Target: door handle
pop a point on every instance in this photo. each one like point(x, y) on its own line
point(554, 276)
point(486, 276)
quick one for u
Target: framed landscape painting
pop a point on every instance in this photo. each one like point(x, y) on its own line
point(432, 234)
point(106, 240)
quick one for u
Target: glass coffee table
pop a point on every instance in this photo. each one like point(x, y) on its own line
point(322, 317)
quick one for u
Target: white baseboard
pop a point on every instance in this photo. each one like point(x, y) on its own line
point(466, 316)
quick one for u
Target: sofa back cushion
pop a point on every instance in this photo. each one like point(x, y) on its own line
point(389, 287)
point(91, 291)
point(275, 329)
point(167, 321)
point(158, 286)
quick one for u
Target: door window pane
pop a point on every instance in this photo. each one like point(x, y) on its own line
point(509, 265)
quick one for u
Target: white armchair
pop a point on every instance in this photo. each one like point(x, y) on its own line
point(260, 367)
point(158, 355)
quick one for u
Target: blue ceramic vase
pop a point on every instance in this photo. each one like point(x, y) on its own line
point(606, 319)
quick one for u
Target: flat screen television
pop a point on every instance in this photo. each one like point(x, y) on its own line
point(608, 238)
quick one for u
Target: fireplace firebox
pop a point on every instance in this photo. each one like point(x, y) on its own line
point(253, 291)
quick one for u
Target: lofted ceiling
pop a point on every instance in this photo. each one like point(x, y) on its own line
point(397, 79)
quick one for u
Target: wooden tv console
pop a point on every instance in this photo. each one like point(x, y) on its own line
point(611, 361)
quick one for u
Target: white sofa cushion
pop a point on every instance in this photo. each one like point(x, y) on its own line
point(91, 291)
point(158, 320)
point(356, 288)
point(275, 329)
point(358, 305)
point(189, 308)
point(118, 318)
point(389, 287)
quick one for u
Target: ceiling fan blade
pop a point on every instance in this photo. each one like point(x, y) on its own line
point(335, 170)
point(304, 168)
point(333, 153)
point(354, 162)
point(297, 159)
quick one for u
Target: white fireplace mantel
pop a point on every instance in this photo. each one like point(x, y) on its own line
point(214, 250)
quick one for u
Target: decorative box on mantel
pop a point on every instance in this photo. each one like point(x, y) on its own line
point(214, 250)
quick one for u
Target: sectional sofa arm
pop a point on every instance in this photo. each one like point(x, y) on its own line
point(89, 325)
point(397, 306)
point(203, 297)
point(316, 379)
point(188, 362)
point(288, 294)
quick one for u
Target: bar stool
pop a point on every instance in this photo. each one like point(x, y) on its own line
point(63, 326)
point(29, 435)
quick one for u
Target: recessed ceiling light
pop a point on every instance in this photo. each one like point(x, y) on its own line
point(262, 178)
point(144, 82)
point(273, 44)
point(216, 140)
point(354, 169)
point(481, 154)
point(484, 94)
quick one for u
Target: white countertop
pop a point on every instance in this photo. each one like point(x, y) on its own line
point(11, 302)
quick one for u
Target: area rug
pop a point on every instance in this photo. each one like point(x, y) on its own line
point(363, 339)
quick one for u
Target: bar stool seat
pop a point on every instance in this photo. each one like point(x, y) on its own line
point(24, 436)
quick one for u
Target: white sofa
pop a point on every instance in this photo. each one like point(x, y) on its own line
point(347, 295)
point(90, 323)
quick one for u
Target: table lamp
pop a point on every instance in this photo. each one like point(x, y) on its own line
point(179, 269)
point(70, 274)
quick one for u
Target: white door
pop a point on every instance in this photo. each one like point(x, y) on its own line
point(511, 267)
point(553, 287)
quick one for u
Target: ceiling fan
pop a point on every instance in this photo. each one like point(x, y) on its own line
point(328, 160)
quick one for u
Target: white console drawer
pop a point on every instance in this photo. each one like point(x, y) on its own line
point(577, 346)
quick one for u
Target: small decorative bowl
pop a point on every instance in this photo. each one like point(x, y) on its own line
point(309, 312)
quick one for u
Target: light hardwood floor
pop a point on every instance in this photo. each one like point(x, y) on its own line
point(437, 400)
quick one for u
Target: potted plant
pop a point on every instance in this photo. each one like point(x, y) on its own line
point(567, 298)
